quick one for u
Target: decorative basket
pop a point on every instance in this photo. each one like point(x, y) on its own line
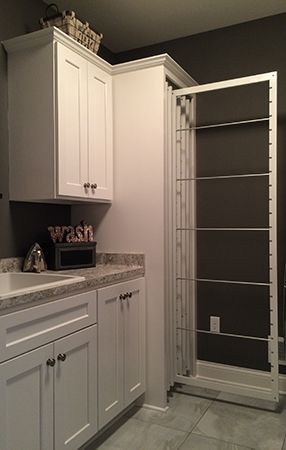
point(69, 24)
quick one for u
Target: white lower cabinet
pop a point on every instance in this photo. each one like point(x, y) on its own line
point(53, 385)
point(121, 347)
point(67, 368)
point(26, 392)
point(75, 387)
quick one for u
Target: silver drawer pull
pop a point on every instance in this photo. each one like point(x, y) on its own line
point(51, 362)
point(62, 356)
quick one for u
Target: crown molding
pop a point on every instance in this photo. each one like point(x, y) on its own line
point(52, 34)
point(173, 70)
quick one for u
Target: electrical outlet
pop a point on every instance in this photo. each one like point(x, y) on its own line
point(215, 324)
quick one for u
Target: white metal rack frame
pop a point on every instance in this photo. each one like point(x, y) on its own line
point(183, 365)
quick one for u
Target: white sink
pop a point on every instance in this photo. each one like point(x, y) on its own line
point(17, 283)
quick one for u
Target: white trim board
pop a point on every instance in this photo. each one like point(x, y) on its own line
point(235, 82)
point(232, 379)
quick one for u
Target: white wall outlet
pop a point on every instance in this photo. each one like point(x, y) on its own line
point(215, 324)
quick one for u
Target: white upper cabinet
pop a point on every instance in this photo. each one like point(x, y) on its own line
point(60, 120)
point(99, 132)
point(84, 127)
point(72, 123)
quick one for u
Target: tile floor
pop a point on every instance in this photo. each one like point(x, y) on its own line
point(199, 420)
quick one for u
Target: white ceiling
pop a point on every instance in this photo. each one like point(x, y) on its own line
point(129, 24)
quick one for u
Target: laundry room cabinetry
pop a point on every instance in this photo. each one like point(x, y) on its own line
point(60, 121)
point(49, 393)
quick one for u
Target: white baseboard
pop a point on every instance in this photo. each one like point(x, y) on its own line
point(254, 383)
point(155, 408)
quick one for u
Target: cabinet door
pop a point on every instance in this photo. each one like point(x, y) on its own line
point(134, 341)
point(100, 132)
point(110, 354)
point(75, 389)
point(26, 392)
point(72, 123)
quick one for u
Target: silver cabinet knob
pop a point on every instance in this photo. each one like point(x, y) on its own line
point(86, 185)
point(93, 186)
point(62, 356)
point(129, 294)
point(51, 362)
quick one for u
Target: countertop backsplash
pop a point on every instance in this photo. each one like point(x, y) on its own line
point(126, 259)
point(11, 264)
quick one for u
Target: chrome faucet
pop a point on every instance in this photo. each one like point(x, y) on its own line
point(35, 260)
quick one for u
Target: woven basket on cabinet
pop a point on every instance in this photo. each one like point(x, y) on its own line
point(69, 24)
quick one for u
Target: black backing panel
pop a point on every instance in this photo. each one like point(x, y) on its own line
point(233, 202)
point(232, 104)
point(241, 352)
point(242, 309)
point(232, 150)
point(233, 255)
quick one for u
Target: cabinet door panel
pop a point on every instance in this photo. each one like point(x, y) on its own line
point(134, 342)
point(75, 389)
point(26, 392)
point(100, 132)
point(72, 123)
point(110, 354)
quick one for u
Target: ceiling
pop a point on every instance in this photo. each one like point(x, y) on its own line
point(129, 24)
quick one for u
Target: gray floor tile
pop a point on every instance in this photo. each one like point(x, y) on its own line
point(183, 413)
point(196, 442)
point(254, 428)
point(138, 435)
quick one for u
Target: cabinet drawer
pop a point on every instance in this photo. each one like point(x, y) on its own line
point(24, 330)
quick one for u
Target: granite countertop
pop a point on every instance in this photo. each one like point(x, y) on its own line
point(111, 269)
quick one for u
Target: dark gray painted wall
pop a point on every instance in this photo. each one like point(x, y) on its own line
point(20, 223)
point(239, 50)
